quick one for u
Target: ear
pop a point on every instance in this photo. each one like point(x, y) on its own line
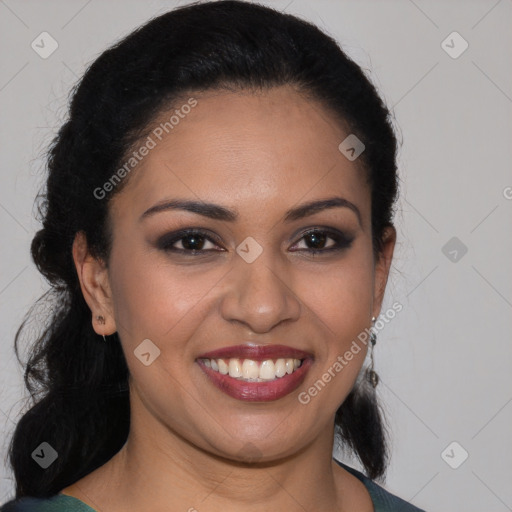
point(93, 275)
point(382, 267)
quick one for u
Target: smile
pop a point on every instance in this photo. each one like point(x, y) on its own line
point(254, 371)
point(250, 373)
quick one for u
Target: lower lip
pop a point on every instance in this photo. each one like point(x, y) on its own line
point(258, 391)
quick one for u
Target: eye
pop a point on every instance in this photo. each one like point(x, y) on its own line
point(196, 242)
point(316, 241)
point(188, 241)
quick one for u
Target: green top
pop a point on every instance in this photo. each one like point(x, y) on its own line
point(383, 501)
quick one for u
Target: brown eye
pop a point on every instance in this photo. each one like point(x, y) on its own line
point(317, 241)
point(192, 242)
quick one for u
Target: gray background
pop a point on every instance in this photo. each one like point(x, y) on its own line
point(445, 359)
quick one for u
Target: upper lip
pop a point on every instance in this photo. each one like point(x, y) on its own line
point(256, 352)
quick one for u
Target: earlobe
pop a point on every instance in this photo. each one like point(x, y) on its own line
point(94, 283)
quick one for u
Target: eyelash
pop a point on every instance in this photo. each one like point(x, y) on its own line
point(166, 242)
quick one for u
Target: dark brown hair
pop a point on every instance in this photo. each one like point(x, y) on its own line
point(78, 383)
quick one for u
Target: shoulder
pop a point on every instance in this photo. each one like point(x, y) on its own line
point(383, 500)
point(56, 503)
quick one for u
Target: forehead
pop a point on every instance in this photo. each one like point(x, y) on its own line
point(245, 149)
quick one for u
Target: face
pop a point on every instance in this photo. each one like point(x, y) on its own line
point(248, 277)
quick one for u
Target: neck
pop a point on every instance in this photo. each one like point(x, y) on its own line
point(189, 478)
point(159, 466)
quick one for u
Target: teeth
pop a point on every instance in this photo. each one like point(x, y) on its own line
point(254, 371)
point(250, 369)
point(267, 370)
point(223, 367)
point(235, 368)
point(280, 367)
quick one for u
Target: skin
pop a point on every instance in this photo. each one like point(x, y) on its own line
point(259, 154)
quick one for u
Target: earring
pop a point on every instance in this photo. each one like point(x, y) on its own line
point(371, 374)
point(101, 320)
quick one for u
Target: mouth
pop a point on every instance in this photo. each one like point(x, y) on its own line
point(256, 373)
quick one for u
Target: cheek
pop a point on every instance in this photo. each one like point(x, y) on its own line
point(158, 301)
point(341, 294)
point(340, 301)
point(340, 304)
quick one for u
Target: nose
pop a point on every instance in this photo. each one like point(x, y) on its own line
point(257, 295)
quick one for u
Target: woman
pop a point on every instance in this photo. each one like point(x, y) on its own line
point(218, 235)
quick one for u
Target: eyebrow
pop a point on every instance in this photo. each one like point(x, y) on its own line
point(217, 212)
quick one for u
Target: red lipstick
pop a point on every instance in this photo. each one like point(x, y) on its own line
point(256, 352)
point(265, 391)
